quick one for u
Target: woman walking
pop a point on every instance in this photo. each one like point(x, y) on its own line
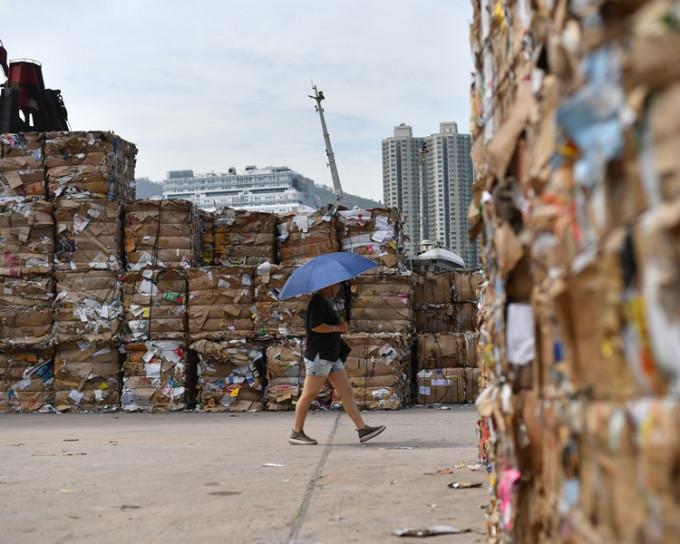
point(323, 361)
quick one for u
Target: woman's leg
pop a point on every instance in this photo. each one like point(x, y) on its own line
point(340, 382)
point(310, 390)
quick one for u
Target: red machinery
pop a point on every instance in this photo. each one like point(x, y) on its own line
point(25, 104)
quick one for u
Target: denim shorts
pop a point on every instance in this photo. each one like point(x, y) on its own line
point(322, 367)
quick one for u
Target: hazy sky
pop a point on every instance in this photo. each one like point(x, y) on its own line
point(206, 85)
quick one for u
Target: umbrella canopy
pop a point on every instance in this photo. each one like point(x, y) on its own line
point(323, 271)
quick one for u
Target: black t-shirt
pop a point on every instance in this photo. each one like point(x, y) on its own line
point(325, 344)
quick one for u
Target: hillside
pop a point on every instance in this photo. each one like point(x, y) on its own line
point(149, 189)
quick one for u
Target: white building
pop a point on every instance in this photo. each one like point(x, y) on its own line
point(275, 189)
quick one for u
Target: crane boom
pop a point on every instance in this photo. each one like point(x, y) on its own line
point(318, 97)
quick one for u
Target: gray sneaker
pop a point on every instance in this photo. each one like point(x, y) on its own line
point(369, 432)
point(300, 439)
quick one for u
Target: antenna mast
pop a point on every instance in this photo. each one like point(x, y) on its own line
point(318, 96)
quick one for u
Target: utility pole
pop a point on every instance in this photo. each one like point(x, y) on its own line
point(318, 96)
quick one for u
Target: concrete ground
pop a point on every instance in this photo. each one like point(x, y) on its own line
point(206, 477)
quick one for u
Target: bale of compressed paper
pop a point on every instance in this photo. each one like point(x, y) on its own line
point(88, 234)
point(301, 236)
point(26, 311)
point(374, 233)
point(157, 376)
point(221, 302)
point(154, 303)
point(87, 377)
point(381, 302)
point(26, 237)
point(207, 236)
point(230, 376)
point(285, 373)
point(276, 318)
point(379, 369)
point(22, 165)
point(93, 164)
point(446, 318)
point(161, 234)
point(87, 307)
point(446, 350)
point(440, 386)
point(244, 237)
point(26, 380)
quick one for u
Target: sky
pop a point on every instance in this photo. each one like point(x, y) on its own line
point(207, 85)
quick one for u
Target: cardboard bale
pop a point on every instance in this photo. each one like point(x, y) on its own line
point(155, 307)
point(22, 166)
point(446, 350)
point(207, 235)
point(276, 318)
point(472, 383)
point(433, 288)
point(156, 377)
point(26, 311)
point(285, 373)
point(161, 234)
point(465, 285)
point(440, 386)
point(87, 377)
point(374, 233)
point(381, 303)
point(92, 164)
point(26, 380)
point(457, 317)
point(230, 376)
point(87, 306)
point(27, 236)
point(221, 302)
point(88, 234)
point(244, 237)
point(304, 235)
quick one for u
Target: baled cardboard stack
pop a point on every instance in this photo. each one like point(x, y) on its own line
point(161, 234)
point(382, 301)
point(285, 373)
point(301, 236)
point(276, 318)
point(244, 237)
point(221, 302)
point(93, 164)
point(26, 311)
point(379, 369)
point(156, 376)
point(27, 235)
point(88, 234)
point(206, 221)
point(577, 206)
point(373, 233)
point(22, 166)
point(26, 379)
point(230, 376)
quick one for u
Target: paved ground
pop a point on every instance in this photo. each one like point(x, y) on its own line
point(197, 477)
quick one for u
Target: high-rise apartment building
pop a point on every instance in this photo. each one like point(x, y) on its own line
point(430, 180)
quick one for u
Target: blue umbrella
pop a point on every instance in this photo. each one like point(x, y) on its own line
point(323, 271)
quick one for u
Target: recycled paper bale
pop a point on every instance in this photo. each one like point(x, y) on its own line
point(230, 376)
point(26, 237)
point(87, 377)
point(244, 237)
point(207, 235)
point(92, 164)
point(276, 318)
point(301, 236)
point(440, 386)
point(26, 380)
point(88, 234)
point(154, 303)
point(22, 166)
point(156, 377)
point(465, 285)
point(88, 306)
point(446, 350)
point(285, 373)
point(221, 302)
point(26, 311)
point(374, 233)
point(472, 383)
point(161, 234)
point(379, 369)
point(381, 303)
point(433, 288)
